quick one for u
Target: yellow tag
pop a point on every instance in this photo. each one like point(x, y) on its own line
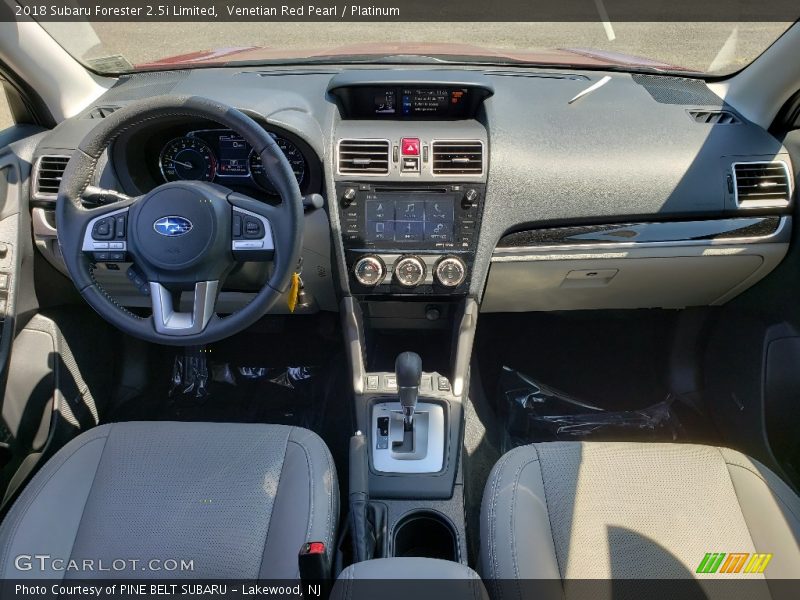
point(294, 290)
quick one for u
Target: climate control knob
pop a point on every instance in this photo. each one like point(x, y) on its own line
point(409, 271)
point(369, 271)
point(450, 271)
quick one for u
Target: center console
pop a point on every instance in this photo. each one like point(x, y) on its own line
point(411, 161)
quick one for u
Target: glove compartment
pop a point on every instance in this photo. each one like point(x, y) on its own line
point(708, 264)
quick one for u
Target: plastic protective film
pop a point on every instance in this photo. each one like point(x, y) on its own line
point(204, 389)
point(535, 412)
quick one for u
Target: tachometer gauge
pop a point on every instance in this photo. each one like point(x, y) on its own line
point(296, 160)
point(187, 158)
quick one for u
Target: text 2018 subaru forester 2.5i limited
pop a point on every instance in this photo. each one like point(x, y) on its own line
point(378, 309)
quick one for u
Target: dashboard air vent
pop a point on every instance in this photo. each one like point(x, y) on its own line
point(364, 157)
point(47, 176)
point(714, 117)
point(101, 112)
point(761, 184)
point(458, 158)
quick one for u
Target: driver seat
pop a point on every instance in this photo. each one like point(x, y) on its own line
point(238, 500)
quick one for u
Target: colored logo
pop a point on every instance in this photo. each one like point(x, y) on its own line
point(734, 562)
point(172, 226)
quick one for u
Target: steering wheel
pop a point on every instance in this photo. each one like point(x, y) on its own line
point(181, 236)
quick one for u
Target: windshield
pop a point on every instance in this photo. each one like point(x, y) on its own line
point(701, 48)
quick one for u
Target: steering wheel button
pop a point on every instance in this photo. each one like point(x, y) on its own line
point(116, 256)
point(120, 226)
point(103, 229)
point(115, 245)
point(253, 228)
point(101, 256)
point(100, 245)
point(248, 244)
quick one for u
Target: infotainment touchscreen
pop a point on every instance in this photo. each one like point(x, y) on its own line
point(410, 217)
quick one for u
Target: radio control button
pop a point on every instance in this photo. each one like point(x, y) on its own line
point(348, 196)
point(409, 271)
point(369, 271)
point(470, 198)
point(450, 271)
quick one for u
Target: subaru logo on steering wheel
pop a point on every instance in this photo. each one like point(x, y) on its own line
point(172, 226)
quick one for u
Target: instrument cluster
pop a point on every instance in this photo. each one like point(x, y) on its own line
point(223, 156)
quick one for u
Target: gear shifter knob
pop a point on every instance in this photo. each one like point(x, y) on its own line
point(408, 369)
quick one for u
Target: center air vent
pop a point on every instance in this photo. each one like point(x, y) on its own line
point(761, 184)
point(458, 158)
point(364, 157)
point(47, 176)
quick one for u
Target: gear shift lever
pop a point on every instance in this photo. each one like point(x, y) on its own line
point(408, 369)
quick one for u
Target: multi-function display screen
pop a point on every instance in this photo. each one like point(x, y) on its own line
point(410, 103)
point(234, 155)
point(415, 217)
point(419, 102)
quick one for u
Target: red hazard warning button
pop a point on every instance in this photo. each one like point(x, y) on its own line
point(410, 146)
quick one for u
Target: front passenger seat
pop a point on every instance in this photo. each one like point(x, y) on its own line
point(595, 510)
point(233, 500)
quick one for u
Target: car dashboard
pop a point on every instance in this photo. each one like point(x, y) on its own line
point(444, 184)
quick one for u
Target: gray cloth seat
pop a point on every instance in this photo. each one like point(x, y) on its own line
point(595, 510)
point(237, 500)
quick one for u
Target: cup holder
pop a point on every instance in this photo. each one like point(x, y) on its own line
point(425, 535)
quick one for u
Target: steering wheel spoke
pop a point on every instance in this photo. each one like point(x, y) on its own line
point(252, 237)
point(105, 231)
point(254, 228)
point(171, 322)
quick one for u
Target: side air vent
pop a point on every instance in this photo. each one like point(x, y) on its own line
point(47, 176)
point(761, 184)
point(714, 117)
point(364, 157)
point(457, 157)
point(101, 112)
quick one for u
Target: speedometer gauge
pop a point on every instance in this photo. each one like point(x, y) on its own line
point(296, 160)
point(187, 158)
